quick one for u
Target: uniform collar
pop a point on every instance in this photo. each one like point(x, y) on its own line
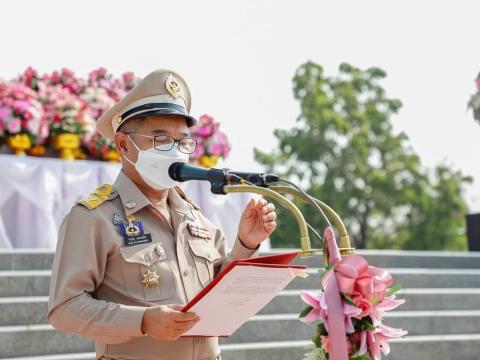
point(133, 199)
point(178, 204)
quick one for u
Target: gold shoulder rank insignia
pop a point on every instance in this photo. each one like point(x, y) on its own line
point(99, 196)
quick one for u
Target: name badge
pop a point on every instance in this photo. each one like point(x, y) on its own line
point(133, 234)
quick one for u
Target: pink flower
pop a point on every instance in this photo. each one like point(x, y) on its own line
point(204, 131)
point(4, 112)
point(364, 305)
point(128, 77)
point(320, 311)
point(14, 126)
point(376, 341)
point(477, 82)
point(319, 305)
point(325, 343)
point(388, 303)
point(349, 311)
point(33, 126)
point(21, 105)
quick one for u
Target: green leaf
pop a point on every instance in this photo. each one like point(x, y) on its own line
point(305, 311)
point(348, 299)
point(324, 270)
point(365, 324)
point(316, 354)
point(393, 289)
point(361, 357)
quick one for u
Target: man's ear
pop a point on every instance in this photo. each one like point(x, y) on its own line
point(121, 142)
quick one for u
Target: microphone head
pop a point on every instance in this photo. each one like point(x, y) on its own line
point(174, 171)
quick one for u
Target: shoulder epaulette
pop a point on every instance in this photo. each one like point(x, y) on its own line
point(186, 198)
point(99, 196)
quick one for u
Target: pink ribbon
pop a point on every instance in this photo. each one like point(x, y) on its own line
point(350, 275)
point(336, 320)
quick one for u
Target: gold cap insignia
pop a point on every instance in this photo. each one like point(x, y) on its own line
point(173, 86)
point(150, 279)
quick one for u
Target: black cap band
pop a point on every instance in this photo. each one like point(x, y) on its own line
point(158, 109)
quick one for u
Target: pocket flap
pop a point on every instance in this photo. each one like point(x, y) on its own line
point(204, 250)
point(143, 254)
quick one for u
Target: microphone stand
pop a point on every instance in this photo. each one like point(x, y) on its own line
point(344, 241)
point(274, 194)
point(290, 206)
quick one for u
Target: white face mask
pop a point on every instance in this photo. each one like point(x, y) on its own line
point(153, 165)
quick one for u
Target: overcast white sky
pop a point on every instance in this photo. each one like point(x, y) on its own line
point(239, 58)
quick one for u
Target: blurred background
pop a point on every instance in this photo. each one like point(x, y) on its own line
point(364, 104)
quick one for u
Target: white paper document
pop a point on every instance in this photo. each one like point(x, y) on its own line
point(240, 294)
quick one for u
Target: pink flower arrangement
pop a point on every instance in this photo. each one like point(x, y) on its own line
point(61, 102)
point(72, 116)
point(21, 112)
point(351, 308)
point(210, 140)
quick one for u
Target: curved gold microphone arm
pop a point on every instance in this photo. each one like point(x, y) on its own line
point(290, 206)
point(344, 241)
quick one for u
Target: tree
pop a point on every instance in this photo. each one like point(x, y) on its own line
point(344, 151)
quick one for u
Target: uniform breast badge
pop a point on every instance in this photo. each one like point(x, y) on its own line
point(150, 279)
point(198, 231)
point(132, 231)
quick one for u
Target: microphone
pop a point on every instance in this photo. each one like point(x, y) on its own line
point(184, 172)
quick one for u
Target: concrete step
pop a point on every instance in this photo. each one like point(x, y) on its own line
point(284, 327)
point(26, 259)
point(24, 283)
point(415, 299)
point(42, 339)
point(436, 347)
point(38, 259)
point(406, 259)
point(409, 278)
point(33, 309)
point(432, 347)
point(19, 283)
point(30, 340)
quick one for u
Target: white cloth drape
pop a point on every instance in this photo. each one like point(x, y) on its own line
point(36, 194)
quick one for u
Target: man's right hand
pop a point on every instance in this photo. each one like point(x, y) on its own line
point(167, 322)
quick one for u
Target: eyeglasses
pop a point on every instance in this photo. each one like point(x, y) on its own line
point(166, 143)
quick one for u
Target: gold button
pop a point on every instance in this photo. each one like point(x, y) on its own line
point(131, 204)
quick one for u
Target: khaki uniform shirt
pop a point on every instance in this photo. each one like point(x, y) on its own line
point(96, 287)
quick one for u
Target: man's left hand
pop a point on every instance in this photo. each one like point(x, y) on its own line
point(257, 222)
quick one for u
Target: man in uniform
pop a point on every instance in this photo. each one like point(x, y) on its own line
point(130, 255)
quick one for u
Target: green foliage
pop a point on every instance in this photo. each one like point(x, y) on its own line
point(394, 289)
point(305, 311)
point(344, 151)
point(316, 354)
point(360, 357)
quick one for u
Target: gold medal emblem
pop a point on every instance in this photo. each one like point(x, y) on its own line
point(172, 86)
point(132, 230)
point(150, 279)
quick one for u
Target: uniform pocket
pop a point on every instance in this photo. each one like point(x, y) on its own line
point(139, 260)
point(204, 256)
